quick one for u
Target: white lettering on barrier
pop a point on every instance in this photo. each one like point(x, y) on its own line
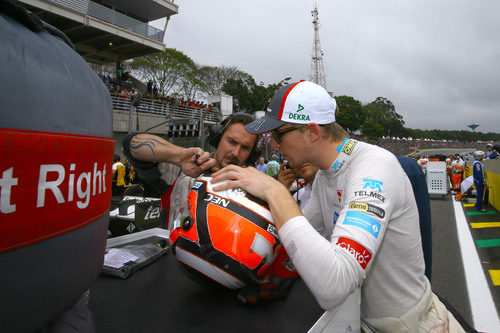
point(88, 184)
point(44, 185)
point(83, 194)
point(6, 183)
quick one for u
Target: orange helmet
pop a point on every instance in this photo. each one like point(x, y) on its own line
point(225, 237)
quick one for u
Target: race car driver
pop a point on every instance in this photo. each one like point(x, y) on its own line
point(360, 227)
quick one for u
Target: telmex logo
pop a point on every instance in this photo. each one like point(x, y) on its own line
point(373, 184)
point(370, 194)
point(369, 208)
point(349, 147)
point(362, 255)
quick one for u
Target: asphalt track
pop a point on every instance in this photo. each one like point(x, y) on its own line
point(448, 276)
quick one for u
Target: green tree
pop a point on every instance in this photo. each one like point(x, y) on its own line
point(248, 96)
point(214, 77)
point(166, 69)
point(351, 115)
point(383, 112)
point(372, 130)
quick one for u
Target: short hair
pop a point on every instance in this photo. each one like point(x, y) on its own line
point(334, 132)
point(237, 118)
point(116, 158)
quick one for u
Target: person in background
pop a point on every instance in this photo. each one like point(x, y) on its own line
point(492, 153)
point(262, 165)
point(478, 174)
point(273, 167)
point(118, 176)
point(305, 175)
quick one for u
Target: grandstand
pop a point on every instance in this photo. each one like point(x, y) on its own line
point(107, 31)
point(112, 31)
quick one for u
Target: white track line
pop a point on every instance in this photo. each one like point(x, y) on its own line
point(484, 313)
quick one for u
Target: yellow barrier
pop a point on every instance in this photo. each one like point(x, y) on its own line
point(492, 168)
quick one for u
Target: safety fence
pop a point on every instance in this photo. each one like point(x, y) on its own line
point(146, 105)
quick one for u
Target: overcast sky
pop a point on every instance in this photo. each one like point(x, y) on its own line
point(437, 61)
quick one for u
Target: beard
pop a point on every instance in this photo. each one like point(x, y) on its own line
point(226, 160)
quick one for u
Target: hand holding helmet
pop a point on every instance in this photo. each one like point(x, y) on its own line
point(248, 179)
point(194, 161)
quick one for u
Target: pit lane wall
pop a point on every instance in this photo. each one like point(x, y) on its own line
point(492, 169)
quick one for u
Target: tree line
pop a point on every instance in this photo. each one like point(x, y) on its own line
point(176, 74)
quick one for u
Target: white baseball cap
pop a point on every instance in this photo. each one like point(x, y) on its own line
point(302, 102)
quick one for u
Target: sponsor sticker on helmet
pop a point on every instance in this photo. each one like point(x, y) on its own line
point(272, 230)
point(360, 253)
point(197, 185)
point(362, 221)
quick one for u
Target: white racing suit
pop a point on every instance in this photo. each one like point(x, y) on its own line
point(361, 229)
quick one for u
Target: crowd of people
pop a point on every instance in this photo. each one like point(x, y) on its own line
point(124, 89)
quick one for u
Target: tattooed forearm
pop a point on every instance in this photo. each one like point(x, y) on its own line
point(137, 143)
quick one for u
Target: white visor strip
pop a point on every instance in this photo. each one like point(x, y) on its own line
point(208, 269)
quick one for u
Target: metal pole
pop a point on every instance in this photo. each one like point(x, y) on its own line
point(201, 135)
point(130, 118)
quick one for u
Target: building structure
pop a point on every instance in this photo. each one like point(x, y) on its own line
point(106, 31)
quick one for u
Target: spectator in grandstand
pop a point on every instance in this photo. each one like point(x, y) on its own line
point(478, 174)
point(120, 72)
point(375, 242)
point(492, 153)
point(155, 91)
point(273, 167)
point(149, 87)
point(262, 165)
point(117, 176)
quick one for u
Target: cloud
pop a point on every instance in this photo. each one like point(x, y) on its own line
point(438, 62)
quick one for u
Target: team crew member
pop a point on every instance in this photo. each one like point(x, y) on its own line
point(492, 153)
point(118, 175)
point(478, 175)
point(361, 225)
point(172, 170)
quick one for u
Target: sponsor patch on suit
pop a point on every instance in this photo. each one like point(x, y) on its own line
point(362, 221)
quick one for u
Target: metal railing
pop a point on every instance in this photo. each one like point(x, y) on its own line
point(154, 107)
point(106, 14)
